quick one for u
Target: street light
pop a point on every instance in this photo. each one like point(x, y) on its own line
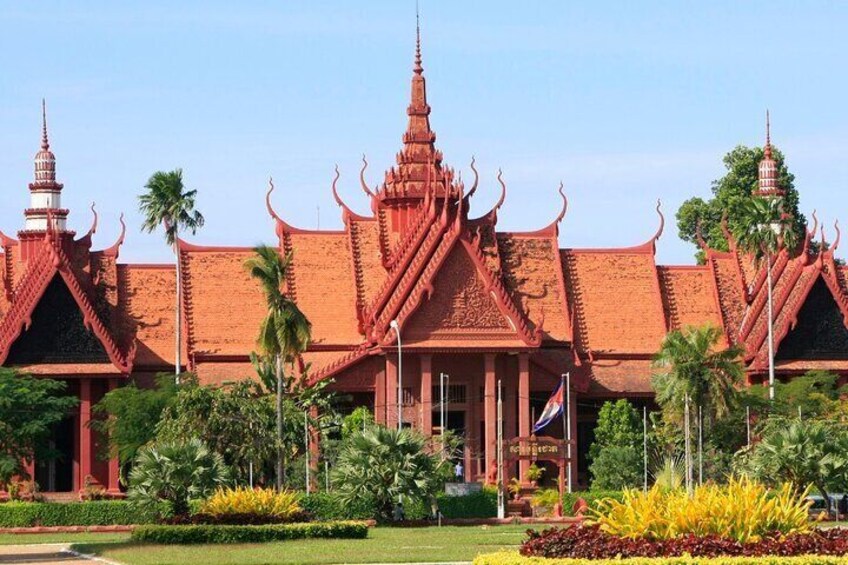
point(395, 326)
point(777, 229)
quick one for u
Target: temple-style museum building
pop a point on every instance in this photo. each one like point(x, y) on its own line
point(478, 304)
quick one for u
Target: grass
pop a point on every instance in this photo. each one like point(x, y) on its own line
point(395, 545)
point(25, 539)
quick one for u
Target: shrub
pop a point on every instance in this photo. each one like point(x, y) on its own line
point(329, 506)
point(592, 498)
point(175, 472)
point(248, 534)
point(514, 558)
point(483, 504)
point(385, 465)
point(244, 505)
point(742, 510)
point(617, 467)
point(94, 513)
point(589, 542)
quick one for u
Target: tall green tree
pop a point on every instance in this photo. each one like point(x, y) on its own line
point(284, 332)
point(29, 408)
point(128, 415)
point(236, 422)
point(730, 192)
point(692, 362)
point(616, 453)
point(168, 204)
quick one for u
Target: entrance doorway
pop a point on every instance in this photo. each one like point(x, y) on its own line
point(57, 474)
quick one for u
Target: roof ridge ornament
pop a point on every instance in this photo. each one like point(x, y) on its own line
point(476, 179)
point(362, 177)
point(45, 143)
point(503, 192)
point(838, 236)
point(268, 200)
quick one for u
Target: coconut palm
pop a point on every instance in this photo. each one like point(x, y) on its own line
point(284, 332)
point(167, 203)
point(764, 228)
point(692, 363)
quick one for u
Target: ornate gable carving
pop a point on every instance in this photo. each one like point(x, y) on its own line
point(459, 301)
point(819, 332)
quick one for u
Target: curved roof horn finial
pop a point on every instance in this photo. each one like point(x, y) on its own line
point(362, 177)
point(838, 236)
point(564, 203)
point(336, 192)
point(662, 221)
point(813, 231)
point(93, 229)
point(268, 199)
point(476, 179)
point(503, 191)
point(113, 251)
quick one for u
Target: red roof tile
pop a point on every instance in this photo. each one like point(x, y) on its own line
point(616, 298)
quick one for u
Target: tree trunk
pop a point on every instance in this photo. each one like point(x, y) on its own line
point(178, 324)
point(279, 372)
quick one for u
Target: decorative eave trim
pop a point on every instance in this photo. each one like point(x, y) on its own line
point(115, 248)
point(553, 227)
point(51, 260)
point(282, 226)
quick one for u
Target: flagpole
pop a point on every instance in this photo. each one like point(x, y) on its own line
point(567, 423)
point(500, 478)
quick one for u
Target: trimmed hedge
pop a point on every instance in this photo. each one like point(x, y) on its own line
point(513, 558)
point(248, 534)
point(327, 506)
point(91, 513)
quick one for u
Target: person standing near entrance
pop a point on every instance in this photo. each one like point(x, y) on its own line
point(459, 472)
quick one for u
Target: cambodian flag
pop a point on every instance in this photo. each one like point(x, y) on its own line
point(552, 409)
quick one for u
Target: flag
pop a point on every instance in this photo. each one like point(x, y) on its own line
point(553, 408)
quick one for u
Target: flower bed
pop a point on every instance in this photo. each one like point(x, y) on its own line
point(248, 534)
point(514, 558)
point(589, 542)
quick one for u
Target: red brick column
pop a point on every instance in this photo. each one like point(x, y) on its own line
point(114, 465)
point(490, 415)
point(85, 443)
point(391, 391)
point(523, 404)
point(427, 395)
point(380, 396)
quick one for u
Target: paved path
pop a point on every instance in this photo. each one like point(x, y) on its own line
point(40, 554)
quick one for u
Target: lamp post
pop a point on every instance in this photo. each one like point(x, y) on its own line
point(395, 326)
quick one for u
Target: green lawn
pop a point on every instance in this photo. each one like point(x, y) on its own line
point(24, 539)
point(395, 545)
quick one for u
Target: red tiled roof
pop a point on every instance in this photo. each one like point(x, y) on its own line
point(689, 296)
point(617, 377)
point(147, 303)
point(616, 300)
point(533, 276)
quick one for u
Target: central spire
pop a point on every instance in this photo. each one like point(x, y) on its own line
point(419, 163)
point(768, 185)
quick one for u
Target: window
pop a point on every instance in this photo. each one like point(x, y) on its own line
point(407, 398)
point(456, 394)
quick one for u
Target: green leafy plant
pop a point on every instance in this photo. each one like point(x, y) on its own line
point(175, 473)
point(29, 408)
point(617, 468)
point(534, 473)
point(386, 465)
point(208, 534)
point(248, 505)
point(92, 513)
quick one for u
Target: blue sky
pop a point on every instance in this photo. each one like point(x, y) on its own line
point(625, 102)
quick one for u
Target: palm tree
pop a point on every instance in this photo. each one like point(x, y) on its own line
point(383, 465)
point(765, 229)
point(692, 365)
point(167, 203)
point(284, 332)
